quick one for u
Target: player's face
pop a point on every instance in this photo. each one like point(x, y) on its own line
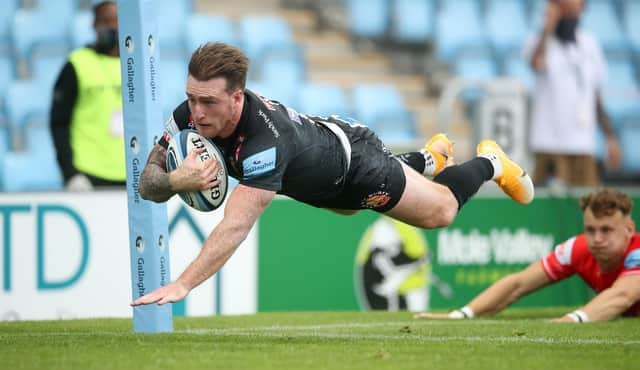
point(608, 236)
point(215, 111)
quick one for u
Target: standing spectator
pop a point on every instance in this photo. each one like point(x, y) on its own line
point(570, 68)
point(86, 114)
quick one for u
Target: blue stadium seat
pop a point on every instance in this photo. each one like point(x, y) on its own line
point(46, 69)
point(26, 171)
point(412, 21)
point(368, 18)
point(203, 28)
point(459, 27)
point(381, 107)
point(82, 33)
point(27, 104)
point(629, 139)
point(516, 67)
point(7, 73)
point(507, 27)
point(601, 19)
point(172, 17)
point(287, 70)
point(475, 66)
point(7, 12)
point(621, 91)
point(261, 35)
point(5, 141)
point(62, 9)
point(173, 83)
point(37, 33)
point(323, 100)
point(285, 94)
point(631, 19)
point(39, 142)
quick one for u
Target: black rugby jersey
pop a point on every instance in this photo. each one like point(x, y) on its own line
point(276, 148)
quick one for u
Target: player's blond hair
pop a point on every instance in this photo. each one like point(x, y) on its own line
point(217, 59)
point(606, 202)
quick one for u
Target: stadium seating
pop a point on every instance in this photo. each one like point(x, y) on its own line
point(600, 18)
point(629, 138)
point(262, 35)
point(517, 67)
point(37, 33)
point(412, 21)
point(381, 107)
point(459, 27)
point(324, 100)
point(27, 171)
point(275, 91)
point(631, 19)
point(172, 16)
point(82, 32)
point(7, 73)
point(507, 26)
point(47, 69)
point(203, 28)
point(173, 83)
point(7, 11)
point(63, 9)
point(368, 18)
point(621, 92)
point(27, 105)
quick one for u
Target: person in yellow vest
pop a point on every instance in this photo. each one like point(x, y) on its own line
point(86, 113)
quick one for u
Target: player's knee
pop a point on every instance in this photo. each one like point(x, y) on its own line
point(444, 213)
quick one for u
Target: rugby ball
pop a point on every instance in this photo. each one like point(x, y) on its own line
point(180, 145)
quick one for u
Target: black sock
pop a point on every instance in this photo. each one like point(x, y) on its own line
point(465, 179)
point(414, 160)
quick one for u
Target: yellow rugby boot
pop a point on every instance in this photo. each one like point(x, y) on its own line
point(513, 180)
point(441, 150)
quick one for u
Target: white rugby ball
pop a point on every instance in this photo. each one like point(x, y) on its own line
point(180, 145)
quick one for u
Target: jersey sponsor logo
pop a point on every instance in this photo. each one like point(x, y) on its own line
point(259, 163)
point(563, 252)
point(632, 260)
point(269, 123)
point(376, 200)
point(294, 116)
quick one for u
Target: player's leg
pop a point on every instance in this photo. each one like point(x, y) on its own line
point(424, 203)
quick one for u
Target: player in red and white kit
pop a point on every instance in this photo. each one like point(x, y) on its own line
point(606, 256)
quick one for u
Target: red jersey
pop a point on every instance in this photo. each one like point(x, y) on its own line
point(573, 256)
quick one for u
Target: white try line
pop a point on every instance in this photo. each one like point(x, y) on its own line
point(315, 331)
point(324, 331)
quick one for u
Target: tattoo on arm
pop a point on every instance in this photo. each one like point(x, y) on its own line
point(154, 182)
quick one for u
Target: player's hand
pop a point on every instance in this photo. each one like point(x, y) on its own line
point(434, 315)
point(194, 175)
point(173, 292)
point(551, 17)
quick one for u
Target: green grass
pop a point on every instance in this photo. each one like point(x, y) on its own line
point(517, 339)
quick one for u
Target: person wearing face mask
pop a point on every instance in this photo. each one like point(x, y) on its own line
point(567, 107)
point(86, 113)
point(606, 256)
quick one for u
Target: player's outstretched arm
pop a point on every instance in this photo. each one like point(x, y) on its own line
point(243, 208)
point(499, 295)
point(610, 303)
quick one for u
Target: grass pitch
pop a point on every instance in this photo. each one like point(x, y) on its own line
point(516, 339)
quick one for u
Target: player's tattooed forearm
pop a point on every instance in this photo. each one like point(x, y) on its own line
point(158, 157)
point(154, 182)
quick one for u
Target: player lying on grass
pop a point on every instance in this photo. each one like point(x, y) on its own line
point(322, 161)
point(606, 256)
